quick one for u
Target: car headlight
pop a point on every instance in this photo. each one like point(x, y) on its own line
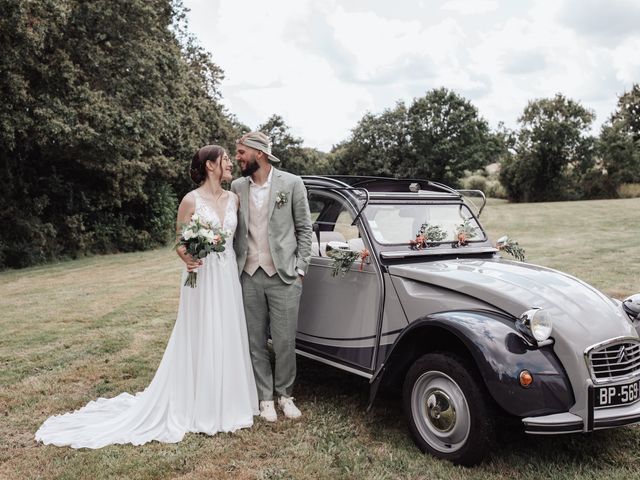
point(631, 306)
point(538, 323)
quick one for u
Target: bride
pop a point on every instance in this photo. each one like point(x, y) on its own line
point(205, 380)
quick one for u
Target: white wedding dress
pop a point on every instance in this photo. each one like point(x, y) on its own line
point(205, 380)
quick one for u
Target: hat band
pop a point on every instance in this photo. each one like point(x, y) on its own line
point(257, 145)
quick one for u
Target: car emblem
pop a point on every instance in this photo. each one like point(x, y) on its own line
point(622, 355)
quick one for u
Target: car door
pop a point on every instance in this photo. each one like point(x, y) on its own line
point(339, 315)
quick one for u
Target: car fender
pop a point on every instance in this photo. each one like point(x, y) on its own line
point(499, 352)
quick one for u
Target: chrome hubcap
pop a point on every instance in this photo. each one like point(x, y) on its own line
point(440, 411)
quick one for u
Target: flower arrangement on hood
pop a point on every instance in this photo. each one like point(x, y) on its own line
point(510, 246)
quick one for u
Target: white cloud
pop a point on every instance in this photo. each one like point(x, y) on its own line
point(471, 8)
point(323, 64)
point(627, 61)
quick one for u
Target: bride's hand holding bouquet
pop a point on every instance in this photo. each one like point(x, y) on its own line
point(197, 240)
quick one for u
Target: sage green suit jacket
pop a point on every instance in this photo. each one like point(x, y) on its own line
point(289, 227)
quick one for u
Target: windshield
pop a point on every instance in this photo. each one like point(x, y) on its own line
point(401, 223)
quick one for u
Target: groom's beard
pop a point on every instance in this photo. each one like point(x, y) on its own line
point(250, 168)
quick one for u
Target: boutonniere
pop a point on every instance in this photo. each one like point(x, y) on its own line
point(281, 198)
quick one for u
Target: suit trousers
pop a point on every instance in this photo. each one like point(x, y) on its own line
point(270, 305)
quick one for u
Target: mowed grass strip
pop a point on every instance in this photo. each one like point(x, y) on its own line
point(597, 241)
point(98, 326)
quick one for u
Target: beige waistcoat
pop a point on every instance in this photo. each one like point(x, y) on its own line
point(259, 253)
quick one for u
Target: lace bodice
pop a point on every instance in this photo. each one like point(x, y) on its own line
point(209, 215)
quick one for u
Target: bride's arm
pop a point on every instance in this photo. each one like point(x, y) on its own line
point(185, 211)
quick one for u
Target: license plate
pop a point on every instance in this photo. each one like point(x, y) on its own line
point(617, 394)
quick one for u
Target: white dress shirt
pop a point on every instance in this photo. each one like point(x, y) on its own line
point(260, 193)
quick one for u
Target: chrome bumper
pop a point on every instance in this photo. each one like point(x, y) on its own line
point(568, 422)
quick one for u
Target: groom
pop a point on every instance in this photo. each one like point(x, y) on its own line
point(273, 247)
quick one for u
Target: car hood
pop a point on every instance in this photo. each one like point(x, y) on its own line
point(578, 310)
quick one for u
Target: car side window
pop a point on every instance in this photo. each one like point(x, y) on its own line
point(333, 219)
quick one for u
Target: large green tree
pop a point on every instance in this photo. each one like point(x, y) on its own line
point(104, 104)
point(619, 144)
point(437, 136)
point(554, 151)
point(379, 145)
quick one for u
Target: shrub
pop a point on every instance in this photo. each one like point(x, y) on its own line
point(629, 190)
point(490, 186)
point(495, 189)
point(474, 182)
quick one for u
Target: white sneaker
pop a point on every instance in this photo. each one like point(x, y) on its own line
point(289, 408)
point(268, 411)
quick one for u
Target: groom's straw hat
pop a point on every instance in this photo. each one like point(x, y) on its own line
point(259, 141)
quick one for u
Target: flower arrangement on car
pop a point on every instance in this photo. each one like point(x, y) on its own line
point(343, 259)
point(464, 232)
point(429, 235)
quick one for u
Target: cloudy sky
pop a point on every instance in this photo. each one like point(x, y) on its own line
point(322, 64)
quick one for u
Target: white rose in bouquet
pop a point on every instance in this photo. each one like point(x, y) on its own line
point(188, 233)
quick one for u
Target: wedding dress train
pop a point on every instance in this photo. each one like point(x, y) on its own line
point(205, 380)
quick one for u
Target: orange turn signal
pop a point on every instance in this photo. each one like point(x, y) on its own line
point(526, 378)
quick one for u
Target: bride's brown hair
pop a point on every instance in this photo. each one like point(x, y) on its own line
point(198, 170)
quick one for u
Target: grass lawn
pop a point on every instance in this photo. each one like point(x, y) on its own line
point(98, 326)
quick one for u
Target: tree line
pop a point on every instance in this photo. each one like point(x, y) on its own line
point(105, 102)
point(551, 155)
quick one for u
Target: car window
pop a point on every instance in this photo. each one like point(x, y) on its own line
point(334, 219)
point(398, 224)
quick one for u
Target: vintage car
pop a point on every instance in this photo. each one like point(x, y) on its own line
point(468, 335)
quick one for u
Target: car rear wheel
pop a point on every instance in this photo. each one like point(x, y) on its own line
point(447, 409)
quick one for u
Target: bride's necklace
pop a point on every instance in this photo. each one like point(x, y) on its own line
point(213, 195)
point(221, 215)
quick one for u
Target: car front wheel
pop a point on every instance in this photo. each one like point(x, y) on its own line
point(447, 409)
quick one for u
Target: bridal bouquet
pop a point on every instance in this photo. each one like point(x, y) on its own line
point(200, 239)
